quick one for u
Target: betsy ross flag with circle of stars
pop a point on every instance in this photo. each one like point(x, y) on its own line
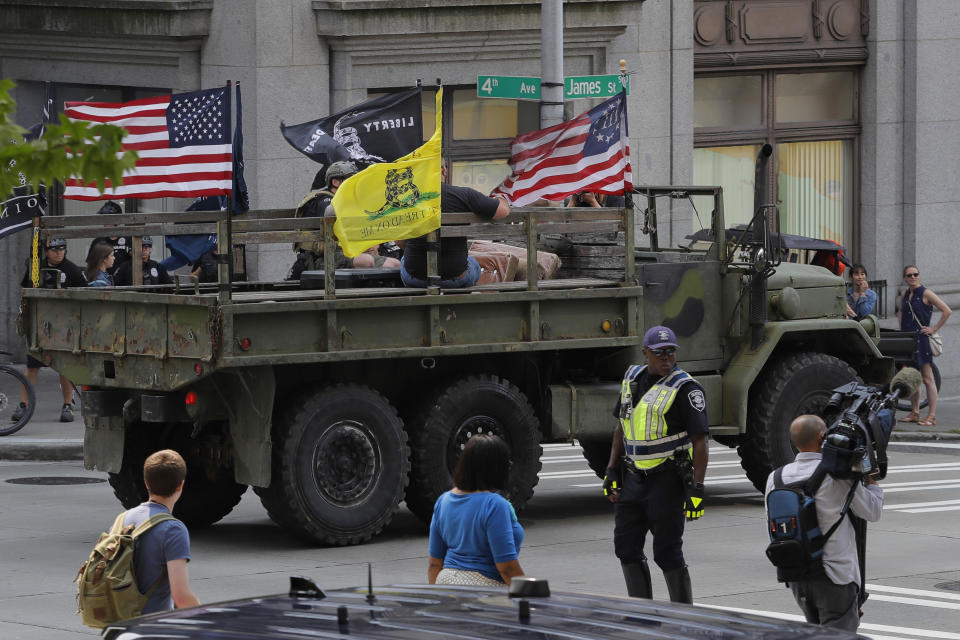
point(589, 153)
point(183, 143)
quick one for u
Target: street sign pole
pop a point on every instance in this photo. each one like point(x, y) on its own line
point(551, 62)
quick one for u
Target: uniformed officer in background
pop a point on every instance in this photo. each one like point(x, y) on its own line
point(658, 460)
point(56, 272)
point(121, 245)
point(153, 273)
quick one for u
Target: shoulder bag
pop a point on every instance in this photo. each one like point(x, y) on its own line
point(936, 340)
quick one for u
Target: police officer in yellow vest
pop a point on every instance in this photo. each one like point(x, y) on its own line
point(657, 464)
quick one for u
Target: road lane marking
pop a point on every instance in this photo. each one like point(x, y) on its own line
point(927, 593)
point(906, 631)
point(566, 474)
point(915, 601)
point(917, 505)
point(931, 509)
point(555, 459)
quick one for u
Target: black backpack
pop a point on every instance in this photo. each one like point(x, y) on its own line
point(796, 540)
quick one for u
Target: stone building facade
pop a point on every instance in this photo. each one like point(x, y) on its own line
point(700, 72)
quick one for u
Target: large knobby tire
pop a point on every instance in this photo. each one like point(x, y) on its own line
point(477, 404)
point(208, 494)
point(597, 454)
point(340, 466)
point(904, 404)
point(798, 383)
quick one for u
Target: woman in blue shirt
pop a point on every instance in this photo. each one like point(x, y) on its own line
point(474, 534)
point(861, 299)
point(99, 262)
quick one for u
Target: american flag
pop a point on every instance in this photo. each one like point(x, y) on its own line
point(589, 153)
point(183, 141)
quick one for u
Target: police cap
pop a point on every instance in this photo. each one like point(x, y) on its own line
point(110, 207)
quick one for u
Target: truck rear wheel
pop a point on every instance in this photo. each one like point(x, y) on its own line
point(340, 466)
point(799, 383)
point(208, 495)
point(473, 405)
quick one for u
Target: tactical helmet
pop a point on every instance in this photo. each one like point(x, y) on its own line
point(146, 241)
point(110, 207)
point(340, 169)
point(56, 243)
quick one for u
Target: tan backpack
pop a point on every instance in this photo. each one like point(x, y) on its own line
point(106, 585)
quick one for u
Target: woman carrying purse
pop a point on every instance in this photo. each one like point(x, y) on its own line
point(915, 313)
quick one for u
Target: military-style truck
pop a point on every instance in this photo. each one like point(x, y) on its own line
point(336, 404)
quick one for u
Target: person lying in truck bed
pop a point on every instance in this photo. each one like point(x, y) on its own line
point(457, 269)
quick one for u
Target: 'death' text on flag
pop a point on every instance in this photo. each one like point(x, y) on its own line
point(589, 153)
point(391, 200)
point(183, 141)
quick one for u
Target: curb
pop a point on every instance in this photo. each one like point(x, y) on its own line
point(923, 435)
point(43, 451)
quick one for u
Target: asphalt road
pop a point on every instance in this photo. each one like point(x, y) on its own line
point(47, 529)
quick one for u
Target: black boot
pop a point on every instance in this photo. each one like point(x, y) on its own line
point(678, 585)
point(637, 576)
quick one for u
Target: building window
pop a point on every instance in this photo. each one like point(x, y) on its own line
point(812, 121)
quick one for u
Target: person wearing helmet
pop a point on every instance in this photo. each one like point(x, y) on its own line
point(314, 205)
point(121, 246)
point(153, 273)
point(55, 272)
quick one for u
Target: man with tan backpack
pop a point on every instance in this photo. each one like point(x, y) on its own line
point(140, 565)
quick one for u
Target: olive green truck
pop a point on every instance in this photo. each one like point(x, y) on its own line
point(336, 404)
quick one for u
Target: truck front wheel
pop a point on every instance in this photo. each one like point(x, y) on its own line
point(340, 466)
point(477, 404)
point(797, 384)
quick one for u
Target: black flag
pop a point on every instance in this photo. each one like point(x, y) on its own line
point(24, 204)
point(381, 129)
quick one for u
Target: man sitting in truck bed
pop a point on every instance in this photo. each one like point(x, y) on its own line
point(457, 269)
point(310, 255)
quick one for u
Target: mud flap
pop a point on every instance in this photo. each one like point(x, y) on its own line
point(249, 401)
point(103, 443)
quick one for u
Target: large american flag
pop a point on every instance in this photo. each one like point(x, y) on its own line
point(589, 153)
point(183, 141)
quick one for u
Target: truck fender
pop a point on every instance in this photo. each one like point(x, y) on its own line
point(839, 337)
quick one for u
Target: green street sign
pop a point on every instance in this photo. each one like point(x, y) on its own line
point(577, 87)
point(517, 88)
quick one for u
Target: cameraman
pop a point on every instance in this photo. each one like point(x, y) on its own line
point(832, 599)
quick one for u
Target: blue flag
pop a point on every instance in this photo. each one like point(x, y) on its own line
point(187, 249)
point(239, 198)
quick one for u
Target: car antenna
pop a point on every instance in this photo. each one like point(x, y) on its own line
point(370, 597)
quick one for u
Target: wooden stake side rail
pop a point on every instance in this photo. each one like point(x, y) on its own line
point(279, 226)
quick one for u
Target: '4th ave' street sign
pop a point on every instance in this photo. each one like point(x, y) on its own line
point(517, 88)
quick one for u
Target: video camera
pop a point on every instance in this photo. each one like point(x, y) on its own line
point(855, 444)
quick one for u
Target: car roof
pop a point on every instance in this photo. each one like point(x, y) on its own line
point(414, 611)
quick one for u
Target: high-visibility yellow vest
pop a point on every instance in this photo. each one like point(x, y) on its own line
point(645, 426)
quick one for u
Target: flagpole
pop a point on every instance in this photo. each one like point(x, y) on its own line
point(433, 237)
point(420, 119)
point(224, 244)
point(629, 229)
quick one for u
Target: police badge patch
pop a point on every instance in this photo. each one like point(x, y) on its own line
point(697, 401)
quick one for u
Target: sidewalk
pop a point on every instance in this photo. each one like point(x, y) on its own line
point(46, 438)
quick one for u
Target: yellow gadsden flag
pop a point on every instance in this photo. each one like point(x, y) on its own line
point(391, 200)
